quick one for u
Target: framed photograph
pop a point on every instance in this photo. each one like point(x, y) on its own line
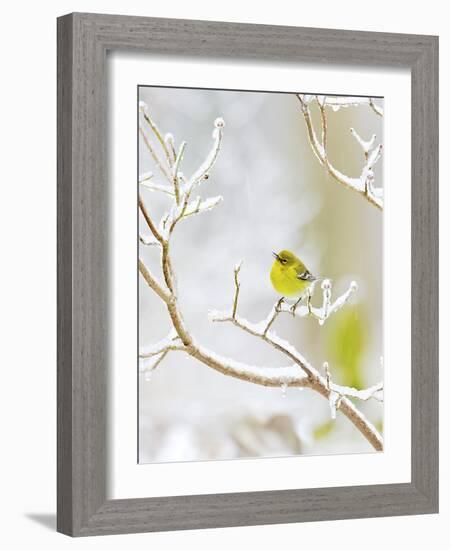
point(247, 274)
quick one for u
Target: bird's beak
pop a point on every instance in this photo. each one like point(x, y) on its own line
point(275, 255)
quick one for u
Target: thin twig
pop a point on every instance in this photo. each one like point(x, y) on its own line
point(149, 221)
point(324, 127)
point(144, 110)
point(237, 287)
point(155, 157)
point(153, 283)
point(327, 374)
point(378, 110)
point(176, 183)
point(276, 310)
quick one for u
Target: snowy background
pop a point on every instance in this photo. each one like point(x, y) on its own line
point(275, 195)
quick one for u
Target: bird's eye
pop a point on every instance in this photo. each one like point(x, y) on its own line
point(283, 261)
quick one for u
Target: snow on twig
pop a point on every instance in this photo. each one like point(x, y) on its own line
point(201, 205)
point(202, 172)
point(364, 184)
point(148, 240)
point(155, 349)
point(328, 307)
point(336, 102)
point(374, 392)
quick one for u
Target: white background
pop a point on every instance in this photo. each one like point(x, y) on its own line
point(28, 299)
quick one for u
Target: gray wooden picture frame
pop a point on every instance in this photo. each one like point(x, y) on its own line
point(83, 42)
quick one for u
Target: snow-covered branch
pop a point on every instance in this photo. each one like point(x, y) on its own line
point(365, 183)
point(202, 173)
point(307, 309)
point(166, 344)
point(336, 102)
point(328, 306)
point(374, 392)
point(299, 372)
point(337, 395)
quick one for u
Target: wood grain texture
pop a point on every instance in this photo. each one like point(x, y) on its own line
point(83, 41)
point(64, 276)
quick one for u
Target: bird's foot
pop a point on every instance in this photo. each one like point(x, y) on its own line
point(293, 308)
point(279, 304)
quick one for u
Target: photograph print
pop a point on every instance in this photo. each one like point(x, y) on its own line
point(260, 274)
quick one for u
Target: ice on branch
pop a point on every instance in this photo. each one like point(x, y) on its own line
point(365, 145)
point(328, 306)
point(337, 393)
point(170, 143)
point(148, 240)
point(153, 186)
point(334, 402)
point(152, 355)
point(148, 365)
point(146, 176)
point(176, 187)
point(299, 372)
point(365, 183)
point(267, 376)
point(198, 206)
point(336, 102)
point(202, 173)
point(159, 347)
point(374, 392)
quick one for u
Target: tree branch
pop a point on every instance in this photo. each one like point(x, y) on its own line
point(364, 185)
point(153, 283)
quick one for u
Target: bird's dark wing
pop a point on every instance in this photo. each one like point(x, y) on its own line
point(305, 275)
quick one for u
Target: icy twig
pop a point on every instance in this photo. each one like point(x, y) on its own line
point(328, 307)
point(337, 392)
point(147, 180)
point(337, 102)
point(237, 287)
point(366, 146)
point(202, 172)
point(327, 374)
point(147, 366)
point(374, 392)
point(143, 108)
point(145, 177)
point(152, 151)
point(378, 110)
point(334, 400)
point(198, 205)
point(154, 186)
point(170, 142)
point(176, 166)
point(364, 184)
point(166, 344)
point(148, 240)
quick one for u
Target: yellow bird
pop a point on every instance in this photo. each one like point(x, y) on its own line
point(289, 275)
